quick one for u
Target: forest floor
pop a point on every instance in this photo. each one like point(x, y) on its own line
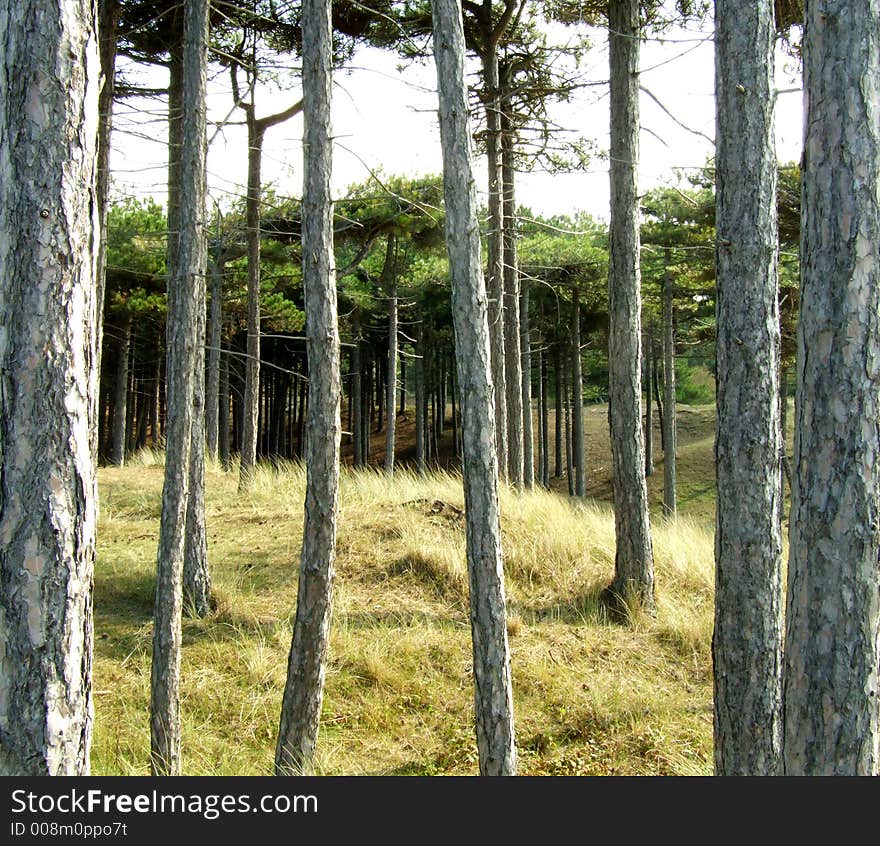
point(591, 696)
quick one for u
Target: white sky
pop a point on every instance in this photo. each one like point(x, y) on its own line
point(384, 120)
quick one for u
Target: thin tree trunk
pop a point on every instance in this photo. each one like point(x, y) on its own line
point(649, 405)
point(185, 301)
point(495, 247)
point(421, 400)
point(251, 418)
point(49, 230)
point(569, 452)
point(545, 423)
point(120, 394)
point(356, 391)
point(402, 407)
point(832, 718)
point(560, 393)
point(634, 557)
point(670, 435)
point(512, 347)
point(491, 660)
point(215, 336)
point(223, 413)
point(391, 382)
point(304, 689)
point(542, 420)
point(108, 24)
point(526, 349)
point(577, 398)
point(746, 646)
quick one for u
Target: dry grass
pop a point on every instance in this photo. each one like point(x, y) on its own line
point(592, 696)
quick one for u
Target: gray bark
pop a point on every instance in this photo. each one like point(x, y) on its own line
point(526, 348)
point(185, 302)
point(223, 413)
point(212, 379)
point(120, 394)
point(748, 614)
point(356, 391)
point(832, 639)
point(670, 435)
point(304, 689)
point(577, 398)
point(196, 575)
point(495, 249)
point(558, 417)
point(49, 76)
point(390, 282)
point(545, 421)
point(512, 346)
point(649, 408)
point(493, 692)
point(108, 22)
point(634, 559)
point(421, 398)
point(251, 414)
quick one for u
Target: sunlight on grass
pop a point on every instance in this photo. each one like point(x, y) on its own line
point(592, 696)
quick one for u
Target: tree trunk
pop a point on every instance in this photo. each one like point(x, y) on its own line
point(545, 423)
point(670, 435)
point(48, 384)
point(421, 399)
point(634, 558)
point(577, 398)
point(251, 418)
point(569, 453)
point(185, 302)
point(215, 337)
point(649, 406)
point(196, 575)
point(391, 382)
point(108, 24)
point(512, 346)
point(356, 389)
point(526, 348)
point(491, 659)
point(560, 393)
point(304, 689)
point(748, 614)
point(223, 413)
point(120, 394)
point(495, 246)
point(832, 719)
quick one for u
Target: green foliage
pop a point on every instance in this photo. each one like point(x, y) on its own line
point(136, 236)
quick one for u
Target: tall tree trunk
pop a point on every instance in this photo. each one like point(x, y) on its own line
point(223, 413)
point(120, 394)
point(832, 719)
point(634, 557)
point(512, 345)
point(526, 349)
point(304, 689)
point(196, 575)
point(186, 300)
point(494, 241)
point(649, 406)
point(421, 398)
point(542, 419)
point(356, 391)
point(491, 660)
point(560, 393)
point(577, 398)
point(748, 614)
point(212, 381)
point(251, 419)
point(545, 422)
point(391, 381)
point(156, 396)
point(402, 407)
point(48, 384)
point(670, 435)
point(108, 24)
point(569, 452)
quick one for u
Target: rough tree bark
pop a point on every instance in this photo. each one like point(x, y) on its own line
point(184, 305)
point(748, 614)
point(512, 340)
point(577, 398)
point(49, 75)
point(120, 394)
point(670, 435)
point(832, 718)
point(634, 558)
point(304, 689)
point(491, 659)
point(390, 284)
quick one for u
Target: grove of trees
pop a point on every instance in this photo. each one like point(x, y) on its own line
point(404, 324)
